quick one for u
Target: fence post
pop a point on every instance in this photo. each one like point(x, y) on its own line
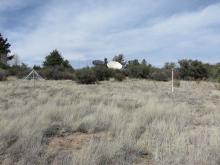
point(172, 81)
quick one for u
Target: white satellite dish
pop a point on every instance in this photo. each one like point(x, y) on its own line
point(114, 65)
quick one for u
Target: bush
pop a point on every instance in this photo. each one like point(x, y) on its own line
point(213, 71)
point(102, 73)
point(19, 71)
point(57, 73)
point(119, 76)
point(218, 79)
point(55, 67)
point(86, 76)
point(4, 66)
point(217, 86)
point(176, 83)
point(3, 75)
point(160, 75)
point(136, 70)
point(193, 70)
point(198, 82)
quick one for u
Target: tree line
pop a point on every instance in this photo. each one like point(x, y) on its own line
point(55, 67)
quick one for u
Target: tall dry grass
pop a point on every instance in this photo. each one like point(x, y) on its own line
point(143, 122)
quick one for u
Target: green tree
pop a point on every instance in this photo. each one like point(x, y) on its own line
point(36, 67)
point(55, 67)
point(4, 50)
point(56, 59)
point(53, 59)
point(213, 71)
point(144, 62)
point(105, 61)
point(120, 59)
point(66, 64)
point(136, 70)
point(169, 65)
point(192, 70)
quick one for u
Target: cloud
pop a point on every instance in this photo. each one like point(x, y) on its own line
point(96, 29)
point(10, 4)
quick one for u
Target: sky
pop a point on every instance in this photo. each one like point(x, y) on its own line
point(84, 30)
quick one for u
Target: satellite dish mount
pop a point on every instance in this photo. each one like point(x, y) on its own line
point(33, 75)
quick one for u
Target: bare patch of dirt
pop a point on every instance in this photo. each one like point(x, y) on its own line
point(145, 159)
point(73, 142)
point(76, 141)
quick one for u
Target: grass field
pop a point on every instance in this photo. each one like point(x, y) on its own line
point(133, 122)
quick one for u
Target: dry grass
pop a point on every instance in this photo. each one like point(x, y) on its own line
point(133, 122)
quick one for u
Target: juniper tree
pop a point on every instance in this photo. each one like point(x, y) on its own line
point(4, 50)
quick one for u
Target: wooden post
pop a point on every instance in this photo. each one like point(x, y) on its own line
point(34, 78)
point(172, 81)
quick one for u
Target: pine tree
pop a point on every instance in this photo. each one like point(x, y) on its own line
point(105, 61)
point(4, 50)
point(56, 59)
point(120, 59)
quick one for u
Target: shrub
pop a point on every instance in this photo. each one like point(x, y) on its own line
point(57, 73)
point(119, 76)
point(3, 75)
point(217, 86)
point(192, 70)
point(86, 76)
point(20, 71)
point(198, 82)
point(160, 75)
point(55, 130)
point(55, 67)
point(136, 70)
point(218, 79)
point(102, 73)
point(3, 66)
point(176, 83)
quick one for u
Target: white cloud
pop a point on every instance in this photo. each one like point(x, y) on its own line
point(188, 22)
point(101, 30)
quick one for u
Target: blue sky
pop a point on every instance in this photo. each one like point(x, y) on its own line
point(84, 30)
